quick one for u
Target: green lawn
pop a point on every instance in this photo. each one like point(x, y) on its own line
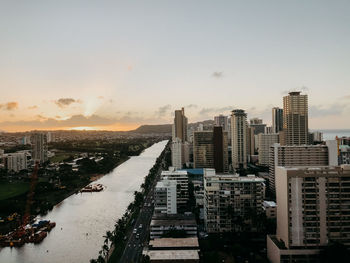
point(9, 190)
point(59, 157)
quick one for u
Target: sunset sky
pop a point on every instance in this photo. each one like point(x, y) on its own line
point(118, 64)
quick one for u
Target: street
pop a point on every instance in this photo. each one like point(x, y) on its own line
point(137, 239)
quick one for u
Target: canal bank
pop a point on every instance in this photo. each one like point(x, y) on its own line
point(83, 219)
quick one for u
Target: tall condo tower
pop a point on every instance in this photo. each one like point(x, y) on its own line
point(295, 119)
point(277, 120)
point(180, 125)
point(239, 138)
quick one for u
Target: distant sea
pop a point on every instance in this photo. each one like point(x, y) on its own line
point(331, 134)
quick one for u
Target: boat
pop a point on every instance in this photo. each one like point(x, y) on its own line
point(92, 188)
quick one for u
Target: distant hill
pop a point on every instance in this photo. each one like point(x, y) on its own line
point(166, 128)
point(161, 128)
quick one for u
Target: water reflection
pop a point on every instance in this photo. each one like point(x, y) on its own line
point(83, 219)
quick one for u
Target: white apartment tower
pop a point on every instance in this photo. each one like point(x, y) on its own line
point(165, 201)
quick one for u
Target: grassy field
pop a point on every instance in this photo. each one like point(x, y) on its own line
point(59, 157)
point(9, 190)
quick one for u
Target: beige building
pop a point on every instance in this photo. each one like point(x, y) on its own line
point(228, 200)
point(180, 125)
point(265, 142)
point(295, 119)
point(239, 128)
point(163, 250)
point(313, 207)
point(300, 155)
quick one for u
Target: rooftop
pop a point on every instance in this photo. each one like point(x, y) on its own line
point(174, 242)
point(173, 254)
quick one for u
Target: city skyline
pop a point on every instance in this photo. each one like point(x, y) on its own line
point(116, 66)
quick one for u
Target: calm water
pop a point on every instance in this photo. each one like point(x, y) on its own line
point(331, 134)
point(85, 218)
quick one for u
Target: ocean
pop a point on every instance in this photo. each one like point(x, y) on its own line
point(331, 134)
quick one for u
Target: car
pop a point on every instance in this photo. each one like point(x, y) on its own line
point(138, 236)
point(140, 226)
point(135, 230)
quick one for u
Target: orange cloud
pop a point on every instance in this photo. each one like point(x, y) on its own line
point(13, 105)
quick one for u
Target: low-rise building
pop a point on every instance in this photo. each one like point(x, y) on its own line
point(167, 224)
point(168, 250)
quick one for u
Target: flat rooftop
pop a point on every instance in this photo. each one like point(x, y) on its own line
point(173, 222)
point(174, 242)
point(173, 254)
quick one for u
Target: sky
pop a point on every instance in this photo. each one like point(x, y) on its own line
point(116, 65)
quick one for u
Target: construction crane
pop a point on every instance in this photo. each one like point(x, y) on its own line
point(26, 217)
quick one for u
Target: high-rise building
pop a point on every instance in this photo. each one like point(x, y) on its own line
point(317, 136)
point(179, 153)
point(312, 210)
point(39, 147)
point(210, 149)
point(165, 201)
point(300, 155)
point(180, 146)
point(295, 119)
point(250, 141)
point(265, 142)
point(239, 138)
point(222, 121)
point(176, 153)
point(181, 178)
point(228, 198)
point(258, 125)
point(16, 162)
point(180, 125)
point(277, 120)
point(344, 154)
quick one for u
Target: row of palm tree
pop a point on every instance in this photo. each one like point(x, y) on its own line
point(116, 238)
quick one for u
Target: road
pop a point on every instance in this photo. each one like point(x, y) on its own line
point(133, 249)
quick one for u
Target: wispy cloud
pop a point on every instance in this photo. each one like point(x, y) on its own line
point(217, 74)
point(162, 111)
point(327, 110)
point(302, 89)
point(191, 106)
point(209, 111)
point(64, 102)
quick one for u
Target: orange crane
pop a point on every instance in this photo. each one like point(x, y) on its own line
point(25, 219)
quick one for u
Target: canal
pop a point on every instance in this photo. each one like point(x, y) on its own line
point(83, 219)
